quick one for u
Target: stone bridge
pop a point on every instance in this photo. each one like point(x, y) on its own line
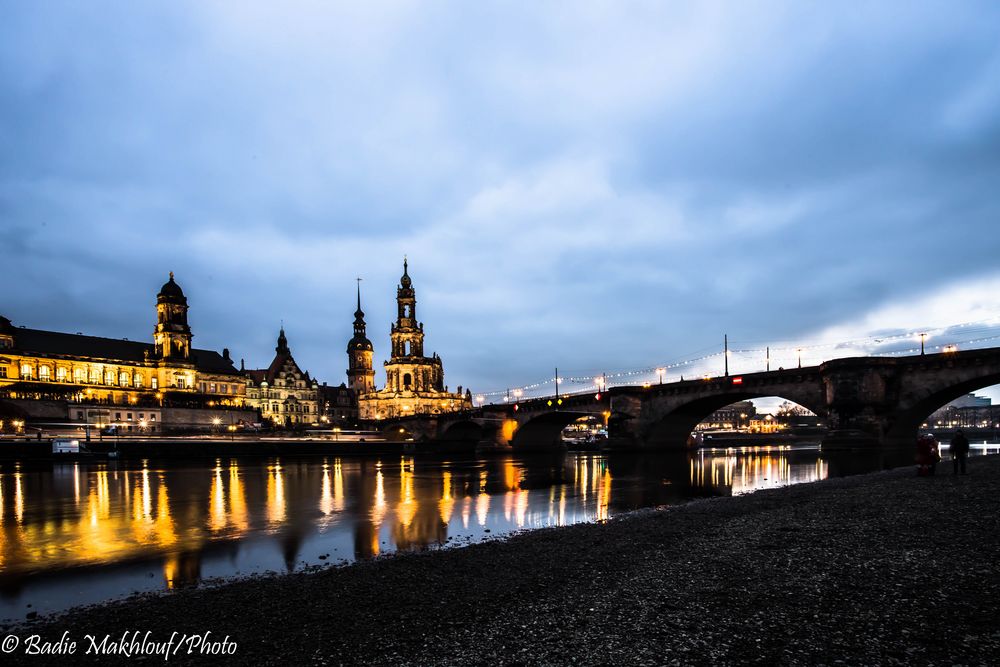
point(880, 399)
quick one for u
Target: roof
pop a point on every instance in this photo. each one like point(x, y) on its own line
point(268, 374)
point(171, 290)
point(47, 343)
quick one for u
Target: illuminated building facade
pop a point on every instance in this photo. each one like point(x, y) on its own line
point(38, 364)
point(282, 392)
point(414, 382)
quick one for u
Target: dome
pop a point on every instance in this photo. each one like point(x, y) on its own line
point(171, 289)
point(359, 343)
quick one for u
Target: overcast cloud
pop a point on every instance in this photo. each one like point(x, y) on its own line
point(598, 186)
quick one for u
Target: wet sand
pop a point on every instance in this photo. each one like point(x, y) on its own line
point(885, 568)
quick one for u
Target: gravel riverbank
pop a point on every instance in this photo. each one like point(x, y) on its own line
point(885, 568)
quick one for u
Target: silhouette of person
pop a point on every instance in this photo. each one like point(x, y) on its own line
point(927, 455)
point(959, 451)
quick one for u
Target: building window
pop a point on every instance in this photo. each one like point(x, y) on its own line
point(26, 371)
point(137, 380)
point(152, 417)
point(79, 414)
point(3, 371)
point(129, 416)
point(109, 377)
point(211, 388)
point(118, 416)
point(154, 383)
point(95, 376)
point(123, 379)
point(61, 374)
point(407, 380)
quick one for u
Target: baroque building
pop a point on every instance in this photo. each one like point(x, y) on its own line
point(39, 364)
point(414, 382)
point(282, 392)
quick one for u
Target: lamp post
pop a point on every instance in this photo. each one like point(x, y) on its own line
point(923, 337)
point(659, 373)
point(799, 352)
point(725, 353)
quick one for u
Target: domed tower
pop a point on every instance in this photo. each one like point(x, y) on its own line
point(360, 374)
point(172, 336)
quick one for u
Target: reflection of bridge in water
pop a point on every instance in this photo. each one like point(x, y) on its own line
point(875, 399)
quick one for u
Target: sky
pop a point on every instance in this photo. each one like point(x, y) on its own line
point(602, 187)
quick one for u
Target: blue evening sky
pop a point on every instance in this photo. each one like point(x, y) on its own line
point(598, 186)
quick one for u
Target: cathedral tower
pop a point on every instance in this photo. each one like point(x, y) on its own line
point(414, 383)
point(172, 336)
point(407, 334)
point(360, 373)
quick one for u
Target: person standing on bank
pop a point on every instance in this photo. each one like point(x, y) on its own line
point(959, 451)
point(928, 455)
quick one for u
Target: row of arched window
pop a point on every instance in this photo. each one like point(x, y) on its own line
point(109, 377)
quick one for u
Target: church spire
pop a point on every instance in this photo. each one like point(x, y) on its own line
point(282, 347)
point(360, 375)
point(359, 314)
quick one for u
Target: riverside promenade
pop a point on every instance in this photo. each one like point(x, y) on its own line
point(885, 568)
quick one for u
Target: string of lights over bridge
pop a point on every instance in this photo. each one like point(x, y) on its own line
point(738, 358)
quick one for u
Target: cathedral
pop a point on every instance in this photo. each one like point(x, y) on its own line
point(414, 382)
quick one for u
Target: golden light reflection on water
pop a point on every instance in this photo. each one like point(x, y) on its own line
point(447, 502)
point(90, 514)
point(326, 495)
point(238, 514)
point(275, 494)
point(750, 469)
point(217, 506)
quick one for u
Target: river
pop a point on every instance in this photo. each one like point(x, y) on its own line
point(81, 533)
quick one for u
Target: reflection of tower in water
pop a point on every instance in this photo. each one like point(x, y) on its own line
point(369, 497)
point(418, 524)
point(182, 569)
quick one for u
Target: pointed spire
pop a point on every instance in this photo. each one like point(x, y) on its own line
point(359, 313)
point(171, 276)
point(405, 281)
point(282, 347)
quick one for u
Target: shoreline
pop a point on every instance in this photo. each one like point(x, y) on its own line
point(873, 568)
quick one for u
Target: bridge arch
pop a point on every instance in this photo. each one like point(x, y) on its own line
point(462, 431)
point(905, 423)
point(676, 423)
point(543, 431)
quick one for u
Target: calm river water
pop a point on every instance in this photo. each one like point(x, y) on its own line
point(74, 534)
